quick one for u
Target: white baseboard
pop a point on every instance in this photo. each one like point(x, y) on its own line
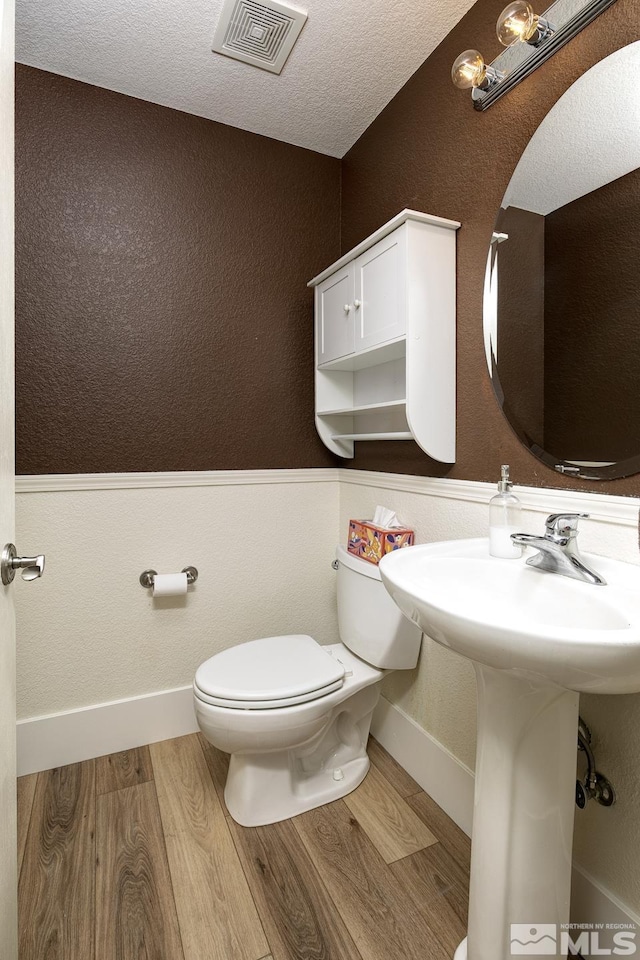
point(451, 785)
point(438, 772)
point(62, 738)
point(593, 903)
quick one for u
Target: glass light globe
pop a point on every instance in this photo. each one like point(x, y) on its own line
point(468, 70)
point(516, 22)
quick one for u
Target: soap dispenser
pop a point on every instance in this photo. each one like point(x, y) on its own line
point(504, 519)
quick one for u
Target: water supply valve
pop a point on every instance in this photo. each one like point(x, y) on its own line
point(594, 786)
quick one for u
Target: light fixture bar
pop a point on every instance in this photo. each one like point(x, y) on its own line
point(568, 22)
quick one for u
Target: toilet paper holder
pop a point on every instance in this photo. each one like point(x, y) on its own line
point(146, 577)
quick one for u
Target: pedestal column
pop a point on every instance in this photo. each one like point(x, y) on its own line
point(523, 813)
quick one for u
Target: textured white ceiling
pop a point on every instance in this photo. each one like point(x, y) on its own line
point(590, 137)
point(351, 59)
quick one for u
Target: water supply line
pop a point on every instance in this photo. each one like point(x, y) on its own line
point(594, 786)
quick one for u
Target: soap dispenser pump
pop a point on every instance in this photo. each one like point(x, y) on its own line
point(504, 519)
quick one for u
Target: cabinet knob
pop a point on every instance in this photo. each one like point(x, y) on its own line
point(347, 308)
point(357, 304)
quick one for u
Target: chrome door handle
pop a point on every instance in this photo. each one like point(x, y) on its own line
point(32, 567)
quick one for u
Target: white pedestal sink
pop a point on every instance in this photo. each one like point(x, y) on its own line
point(536, 639)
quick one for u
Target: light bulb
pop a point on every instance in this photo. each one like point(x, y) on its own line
point(469, 70)
point(518, 23)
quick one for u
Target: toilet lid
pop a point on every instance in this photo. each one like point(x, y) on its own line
point(273, 671)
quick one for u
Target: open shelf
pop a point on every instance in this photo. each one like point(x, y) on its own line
point(372, 357)
point(396, 435)
point(363, 408)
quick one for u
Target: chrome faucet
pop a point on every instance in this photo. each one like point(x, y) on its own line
point(559, 548)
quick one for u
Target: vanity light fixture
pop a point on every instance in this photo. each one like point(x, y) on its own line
point(530, 39)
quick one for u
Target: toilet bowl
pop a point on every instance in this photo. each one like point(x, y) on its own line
point(295, 715)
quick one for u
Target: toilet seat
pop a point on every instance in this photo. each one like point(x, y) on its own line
point(269, 673)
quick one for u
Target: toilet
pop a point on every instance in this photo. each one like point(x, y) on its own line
point(295, 715)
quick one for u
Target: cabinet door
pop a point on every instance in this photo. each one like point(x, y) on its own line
point(335, 315)
point(380, 291)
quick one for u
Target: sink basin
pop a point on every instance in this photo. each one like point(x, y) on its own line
point(508, 615)
point(536, 640)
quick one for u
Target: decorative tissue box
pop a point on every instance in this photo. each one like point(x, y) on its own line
point(370, 542)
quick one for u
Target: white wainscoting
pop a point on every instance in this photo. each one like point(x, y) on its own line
point(65, 482)
point(87, 633)
point(601, 506)
point(543, 500)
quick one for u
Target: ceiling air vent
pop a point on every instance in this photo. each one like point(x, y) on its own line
point(261, 33)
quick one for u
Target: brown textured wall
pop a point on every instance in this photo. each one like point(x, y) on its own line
point(163, 320)
point(592, 340)
point(431, 151)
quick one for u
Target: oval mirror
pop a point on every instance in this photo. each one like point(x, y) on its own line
point(562, 285)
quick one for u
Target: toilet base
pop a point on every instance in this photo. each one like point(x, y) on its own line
point(267, 786)
point(259, 792)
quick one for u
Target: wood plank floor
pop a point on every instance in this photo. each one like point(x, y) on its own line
point(134, 857)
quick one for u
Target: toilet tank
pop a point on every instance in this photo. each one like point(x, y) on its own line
point(370, 623)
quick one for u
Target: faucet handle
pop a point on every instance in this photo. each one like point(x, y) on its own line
point(564, 524)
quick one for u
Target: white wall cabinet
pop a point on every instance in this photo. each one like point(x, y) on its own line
point(385, 339)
